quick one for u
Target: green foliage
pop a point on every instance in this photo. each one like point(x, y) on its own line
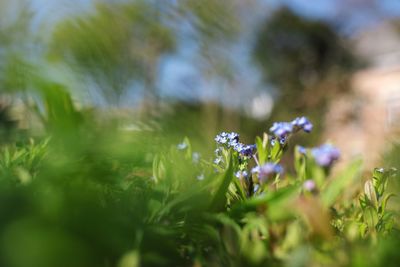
point(86, 193)
point(115, 45)
point(20, 163)
point(119, 46)
point(303, 50)
point(306, 60)
point(374, 201)
point(108, 197)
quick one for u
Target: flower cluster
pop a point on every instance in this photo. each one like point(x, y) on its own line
point(248, 150)
point(267, 171)
point(227, 139)
point(282, 130)
point(302, 123)
point(325, 155)
point(231, 140)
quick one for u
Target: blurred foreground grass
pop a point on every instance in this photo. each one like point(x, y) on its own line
point(86, 193)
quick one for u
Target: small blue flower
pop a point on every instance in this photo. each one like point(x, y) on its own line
point(241, 174)
point(273, 140)
point(221, 140)
point(233, 136)
point(233, 144)
point(302, 123)
point(238, 147)
point(182, 146)
point(218, 160)
point(309, 185)
point(256, 187)
point(248, 150)
point(256, 169)
point(229, 139)
point(196, 157)
point(325, 155)
point(302, 150)
point(281, 129)
point(282, 140)
point(267, 171)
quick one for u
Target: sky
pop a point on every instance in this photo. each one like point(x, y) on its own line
point(350, 15)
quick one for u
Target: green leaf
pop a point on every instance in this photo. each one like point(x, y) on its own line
point(370, 193)
point(158, 168)
point(363, 229)
point(7, 161)
point(300, 164)
point(371, 218)
point(130, 259)
point(380, 179)
point(338, 185)
point(219, 199)
point(364, 202)
point(239, 189)
point(276, 203)
point(384, 203)
point(276, 152)
point(188, 150)
point(261, 151)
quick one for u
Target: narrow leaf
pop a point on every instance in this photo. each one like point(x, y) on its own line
point(219, 199)
point(338, 185)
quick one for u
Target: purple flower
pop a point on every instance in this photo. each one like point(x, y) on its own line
point(233, 136)
point(302, 150)
point(281, 129)
point(309, 185)
point(267, 170)
point(302, 123)
point(248, 150)
point(282, 140)
point(228, 139)
point(237, 146)
point(218, 160)
point(221, 138)
point(325, 155)
point(241, 174)
point(231, 140)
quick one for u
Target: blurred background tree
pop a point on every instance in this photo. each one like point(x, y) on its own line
point(306, 60)
point(116, 46)
point(15, 45)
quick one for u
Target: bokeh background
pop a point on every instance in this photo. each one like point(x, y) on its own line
point(194, 68)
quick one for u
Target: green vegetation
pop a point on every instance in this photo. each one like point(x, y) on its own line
point(93, 195)
point(82, 187)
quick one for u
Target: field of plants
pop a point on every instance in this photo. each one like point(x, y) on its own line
point(199, 133)
point(85, 193)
